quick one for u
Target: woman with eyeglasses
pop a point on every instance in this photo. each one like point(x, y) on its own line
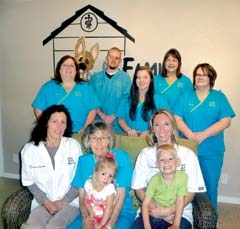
point(203, 115)
point(98, 139)
point(69, 89)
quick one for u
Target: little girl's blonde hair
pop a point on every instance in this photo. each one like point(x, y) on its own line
point(106, 161)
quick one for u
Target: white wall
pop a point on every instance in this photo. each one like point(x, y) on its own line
point(1, 147)
point(202, 30)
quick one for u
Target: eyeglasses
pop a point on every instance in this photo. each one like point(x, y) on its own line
point(68, 66)
point(114, 57)
point(101, 139)
point(201, 75)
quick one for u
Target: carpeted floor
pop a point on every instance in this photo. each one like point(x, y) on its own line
point(229, 214)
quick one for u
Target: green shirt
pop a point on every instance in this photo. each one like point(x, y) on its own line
point(166, 194)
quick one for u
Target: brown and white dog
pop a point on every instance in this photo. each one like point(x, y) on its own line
point(84, 58)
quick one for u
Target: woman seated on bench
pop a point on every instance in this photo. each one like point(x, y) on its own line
point(163, 131)
point(49, 162)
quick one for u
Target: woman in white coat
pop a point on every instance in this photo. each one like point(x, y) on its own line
point(49, 162)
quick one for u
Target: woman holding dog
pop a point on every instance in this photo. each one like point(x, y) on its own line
point(69, 89)
point(134, 114)
point(172, 83)
point(98, 139)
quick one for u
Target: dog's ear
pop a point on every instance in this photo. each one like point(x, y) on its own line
point(95, 51)
point(80, 47)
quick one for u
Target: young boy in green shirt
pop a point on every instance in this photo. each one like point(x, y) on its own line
point(166, 188)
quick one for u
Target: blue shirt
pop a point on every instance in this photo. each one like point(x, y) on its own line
point(139, 124)
point(172, 91)
point(86, 165)
point(198, 116)
point(79, 101)
point(111, 91)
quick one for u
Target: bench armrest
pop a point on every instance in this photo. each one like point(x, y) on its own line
point(16, 208)
point(204, 215)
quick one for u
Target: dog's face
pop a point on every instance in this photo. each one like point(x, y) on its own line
point(85, 62)
point(85, 59)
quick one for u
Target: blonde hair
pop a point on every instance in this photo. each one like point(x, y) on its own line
point(106, 162)
point(151, 138)
point(167, 147)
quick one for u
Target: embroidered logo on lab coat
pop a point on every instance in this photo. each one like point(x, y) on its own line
point(71, 161)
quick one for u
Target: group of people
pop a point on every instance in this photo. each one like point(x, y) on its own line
point(165, 177)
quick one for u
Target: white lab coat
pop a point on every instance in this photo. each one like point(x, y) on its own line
point(37, 168)
point(146, 167)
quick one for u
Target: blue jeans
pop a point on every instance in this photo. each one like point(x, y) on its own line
point(155, 223)
point(159, 223)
